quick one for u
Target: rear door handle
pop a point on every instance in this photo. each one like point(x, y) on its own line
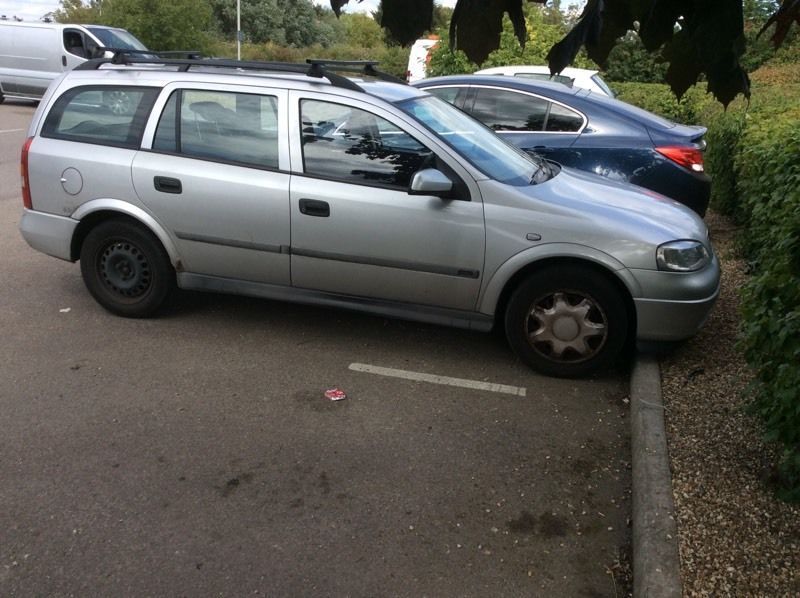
point(166, 184)
point(315, 207)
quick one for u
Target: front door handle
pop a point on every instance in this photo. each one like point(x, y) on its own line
point(315, 207)
point(166, 184)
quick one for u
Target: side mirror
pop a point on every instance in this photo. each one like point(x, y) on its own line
point(430, 182)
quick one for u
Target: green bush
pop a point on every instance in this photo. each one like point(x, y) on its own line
point(753, 156)
point(769, 184)
point(724, 133)
point(391, 59)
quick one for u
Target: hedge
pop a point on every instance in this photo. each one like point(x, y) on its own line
point(753, 156)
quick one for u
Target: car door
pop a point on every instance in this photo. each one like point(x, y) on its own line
point(356, 230)
point(528, 121)
point(214, 172)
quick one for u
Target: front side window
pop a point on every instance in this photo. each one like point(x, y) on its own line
point(473, 141)
point(104, 115)
point(74, 44)
point(220, 126)
point(503, 110)
point(355, 146)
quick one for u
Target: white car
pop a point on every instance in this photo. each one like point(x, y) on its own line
point(572, 77)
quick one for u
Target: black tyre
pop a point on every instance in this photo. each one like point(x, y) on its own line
point(566, 321)
point(126, 269)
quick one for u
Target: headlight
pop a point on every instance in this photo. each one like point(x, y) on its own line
point(682, 256)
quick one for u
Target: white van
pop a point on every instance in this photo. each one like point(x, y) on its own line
point(419, 57)
point(32, 54)
point(583, 78)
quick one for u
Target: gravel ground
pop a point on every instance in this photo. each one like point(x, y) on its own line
point(736, 538)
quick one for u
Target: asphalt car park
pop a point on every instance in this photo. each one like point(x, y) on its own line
point(195, 453)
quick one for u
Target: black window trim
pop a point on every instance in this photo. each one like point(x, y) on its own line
point(477, 86)
point(142, 115)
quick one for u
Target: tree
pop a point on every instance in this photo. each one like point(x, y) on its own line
point(629, 61)
point(696, 37)
point(75, 11)
point(173, 25)
point(292, 23)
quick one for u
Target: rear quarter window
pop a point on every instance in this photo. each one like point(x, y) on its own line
point(101, 115)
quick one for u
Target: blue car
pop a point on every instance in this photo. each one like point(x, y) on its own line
point(587, 131)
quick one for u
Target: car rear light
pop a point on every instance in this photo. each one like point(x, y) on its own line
point(23, 171)
point(688, 157)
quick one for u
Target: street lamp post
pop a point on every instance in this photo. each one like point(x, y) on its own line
point(238, 30)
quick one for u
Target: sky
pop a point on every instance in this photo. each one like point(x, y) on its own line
point(30, 10)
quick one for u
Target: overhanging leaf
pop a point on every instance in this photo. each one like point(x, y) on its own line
point(788, 13)
point(586, 31)
point(336, 5)
point(657, 22)
point(476, 25)
point(407, 20)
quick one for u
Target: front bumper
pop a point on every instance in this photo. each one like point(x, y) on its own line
point(48, 233)
point(673, 306)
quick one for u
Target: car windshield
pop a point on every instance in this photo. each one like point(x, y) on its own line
point(475, 142)
point(117, 38)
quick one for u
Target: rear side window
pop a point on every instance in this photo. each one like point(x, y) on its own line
point(563, 119)
point(509, 111)
point(220, 126)
point(504, 110)
point(101, 115)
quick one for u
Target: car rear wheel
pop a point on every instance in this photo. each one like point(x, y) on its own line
point(126, 269)
point(566, 321)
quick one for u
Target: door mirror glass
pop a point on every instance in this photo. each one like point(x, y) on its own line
point(430, 182)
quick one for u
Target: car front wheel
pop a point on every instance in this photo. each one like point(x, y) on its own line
point(566, 321)
point(126, 269)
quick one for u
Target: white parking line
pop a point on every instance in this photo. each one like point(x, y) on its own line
point(11, 130)
point(446, 380)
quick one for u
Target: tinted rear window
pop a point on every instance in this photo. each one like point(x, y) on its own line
point(101, 115)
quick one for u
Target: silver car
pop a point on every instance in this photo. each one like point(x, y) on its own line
point(295, 183)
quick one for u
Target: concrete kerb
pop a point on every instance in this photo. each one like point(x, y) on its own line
point(656, 561)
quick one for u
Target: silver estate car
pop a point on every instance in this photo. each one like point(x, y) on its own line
point(293, 182)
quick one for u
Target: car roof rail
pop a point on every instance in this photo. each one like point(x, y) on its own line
point(317, 68)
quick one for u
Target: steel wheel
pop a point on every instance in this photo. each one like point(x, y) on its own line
point(126, 269)
point(118, 102)
point(568, 321)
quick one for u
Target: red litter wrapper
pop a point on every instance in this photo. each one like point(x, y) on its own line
point(335, 394)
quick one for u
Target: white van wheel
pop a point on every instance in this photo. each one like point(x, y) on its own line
point(118, 102)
